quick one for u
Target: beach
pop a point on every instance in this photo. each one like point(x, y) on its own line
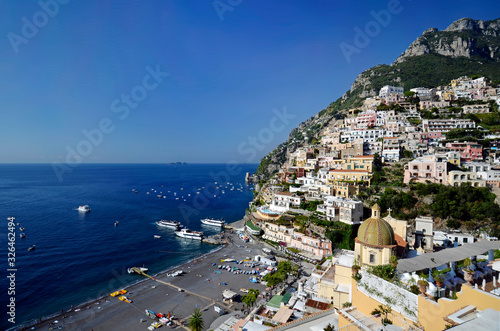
point(201, 285)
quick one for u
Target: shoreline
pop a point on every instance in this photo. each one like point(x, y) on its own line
point(46, 321)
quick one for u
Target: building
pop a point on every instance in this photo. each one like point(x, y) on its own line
point(348, 211)
point(283, 201)
point(391, 150)
point(445, 125)
point(426, 168)
point(458, 177)
point(387, 90)
point(375, 243)
point(476, 109)
point(468, 151)
point(316, 246)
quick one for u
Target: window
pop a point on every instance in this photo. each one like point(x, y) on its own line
point(465, 240)
point(372, 258)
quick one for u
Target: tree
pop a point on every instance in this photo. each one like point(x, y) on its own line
point(250, 298)
point(195, 322)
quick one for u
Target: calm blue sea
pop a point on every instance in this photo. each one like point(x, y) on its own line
point(79, 257)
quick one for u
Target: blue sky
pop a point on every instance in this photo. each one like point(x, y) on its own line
point(241, 74)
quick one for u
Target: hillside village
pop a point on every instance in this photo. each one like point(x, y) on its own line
point(394, 205)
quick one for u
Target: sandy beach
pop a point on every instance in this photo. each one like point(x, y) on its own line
point(200, 285)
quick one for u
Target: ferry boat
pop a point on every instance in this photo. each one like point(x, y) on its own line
point(84, 209)
point(185, 233)
point(169, 224)
point(211, 221)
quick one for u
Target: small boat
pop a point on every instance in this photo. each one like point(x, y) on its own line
point(22, 235)
point(159, 196)
point(131, 270)
point(156, 236)
point(214, 222)
point(116, 223)
point(169, 224)
point(117, 293)
point(185, 233)
point(125, 299)
point(21, 229)
point(84, 209)
point(32, 248)
point(134, 190)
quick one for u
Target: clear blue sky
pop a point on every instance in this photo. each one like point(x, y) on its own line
point(227, 71)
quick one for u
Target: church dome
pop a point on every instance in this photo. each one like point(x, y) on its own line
point(375, 231)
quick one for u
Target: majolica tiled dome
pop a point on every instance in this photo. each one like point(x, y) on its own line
point(375, 231)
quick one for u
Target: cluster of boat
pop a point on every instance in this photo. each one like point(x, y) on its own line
point(186, 233)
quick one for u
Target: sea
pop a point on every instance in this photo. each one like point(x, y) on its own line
point(79, 257)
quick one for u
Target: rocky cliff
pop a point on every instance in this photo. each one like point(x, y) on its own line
point(463, 38)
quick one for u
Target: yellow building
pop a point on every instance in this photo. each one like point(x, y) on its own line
point(335, 283)
point(375, 243)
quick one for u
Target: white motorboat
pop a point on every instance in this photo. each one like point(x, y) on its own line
point(185, 233)
point(156, 236)
point(84, 209)
point(214, 222)
point(169, 224)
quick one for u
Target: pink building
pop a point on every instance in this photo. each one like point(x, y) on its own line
point(367, 119)
point(468, 151)
point(426, 168)
point(427, 137)
point(317, 246)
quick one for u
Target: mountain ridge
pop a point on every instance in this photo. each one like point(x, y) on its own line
point(465, 47)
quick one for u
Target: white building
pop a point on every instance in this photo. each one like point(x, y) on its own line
point(367, 135)
point(283, 201)
point(421, 91)
point(349, 211)
point(446, 239)
point(387, 90)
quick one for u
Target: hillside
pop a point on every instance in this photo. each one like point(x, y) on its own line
point(466, 47)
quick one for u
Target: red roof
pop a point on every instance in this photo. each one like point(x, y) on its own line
point(316, 304)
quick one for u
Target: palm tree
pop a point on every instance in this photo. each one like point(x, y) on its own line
point(195, 322)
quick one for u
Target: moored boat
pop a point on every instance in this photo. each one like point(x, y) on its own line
point(214, 222)
point(84, 209)
point(169, 224)
point(185, 233)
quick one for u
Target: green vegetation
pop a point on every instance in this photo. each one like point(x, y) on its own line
point(463, 133)
point(310, 205)
point(342, 235)
point(472, 207)
point(195, 322)
point(284, 268)
point(250, 298)
point(385, 271)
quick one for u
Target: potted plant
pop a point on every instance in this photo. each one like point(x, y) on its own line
point(394, 261)
point(468, 272)
point(355, 269)
point(439, 280)
point(422, 285)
